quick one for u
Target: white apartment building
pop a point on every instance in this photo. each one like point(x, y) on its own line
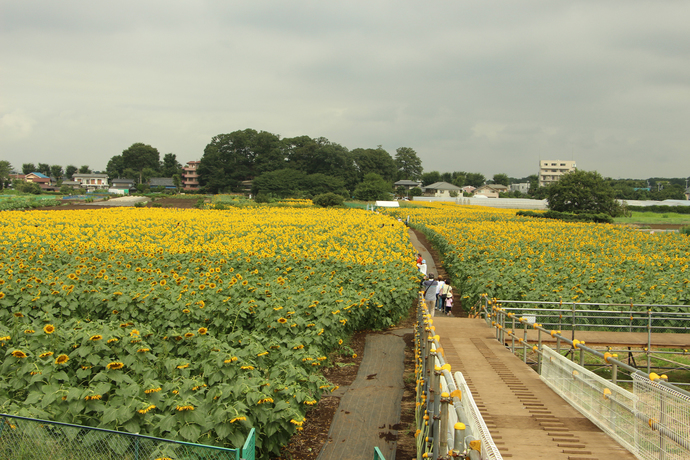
point(552, 170)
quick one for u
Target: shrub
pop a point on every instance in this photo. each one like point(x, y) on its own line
point(685, 230)
point(328, 199)
point(262, 197)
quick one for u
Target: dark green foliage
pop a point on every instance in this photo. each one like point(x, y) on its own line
point(685, 230)
point(139, 157)
point(661, 209)
point(501, 179)
point(582, 192)
point(376, 161)
point(373, 188)
point(328, 199)
point(408, 164)
point(262, 197)
point(567, 217)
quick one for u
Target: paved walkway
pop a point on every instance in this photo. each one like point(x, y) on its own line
point(370, 407)
point(525, 417)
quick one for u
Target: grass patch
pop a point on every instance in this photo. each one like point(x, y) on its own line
point(654, 218)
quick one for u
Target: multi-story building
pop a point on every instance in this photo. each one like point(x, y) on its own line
point(552, 170)
point(190, 176)
point(91, 181)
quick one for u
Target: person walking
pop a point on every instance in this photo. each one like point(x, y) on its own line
point(439, 291)
point(429, 286)
point(447, 295)
point(422, 267)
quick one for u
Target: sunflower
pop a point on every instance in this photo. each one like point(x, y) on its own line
point(48, 328)
point(2, 295)
point(61, 359)
point(282, 320)
point(96, 337)
point(18, 354)
point(143, 350)
point(115, 366)
point(29, 331)
point(189, 335)
point(19, 315)
point(202, 330)
point(114, 339)
point(46, 354)
point(183, 366)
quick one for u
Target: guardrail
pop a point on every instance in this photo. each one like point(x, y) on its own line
point(645, 318)
point(652, 421)
point(443, 431)
point(23, 438)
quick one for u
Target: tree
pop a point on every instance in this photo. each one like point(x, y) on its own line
point(501, 179)
point(28, 168)
point(56, 172)
point(281, 184)
point(408, 163)
point(69, 171)
point(170, 166)
point(374, 187)
point(582, 191)
point(5, 170)
point(475, 179)
point(431, 178)
point(116, 167)
point(84, 169)
point(44, 168)
point(139, 156)
point(374, 161)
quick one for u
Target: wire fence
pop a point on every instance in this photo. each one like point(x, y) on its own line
point(23, 438)
point(607, 405)
point(652, 421)
point(663, 421)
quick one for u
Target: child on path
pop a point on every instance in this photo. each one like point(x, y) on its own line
point(447, 297)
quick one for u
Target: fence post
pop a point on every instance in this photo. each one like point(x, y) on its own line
point(512, 336)
point(649, 340)
point(614, 373)
point(539, 350)
point(443, 438)
point(572, 333)
point(524, 343)
point(459, 440)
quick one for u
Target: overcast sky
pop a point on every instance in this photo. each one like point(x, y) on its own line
point(480, 86)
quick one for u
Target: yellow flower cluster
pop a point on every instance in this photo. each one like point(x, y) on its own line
point(184, 408)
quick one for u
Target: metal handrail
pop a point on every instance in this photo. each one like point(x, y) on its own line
point(576, 344)
point(434, 440)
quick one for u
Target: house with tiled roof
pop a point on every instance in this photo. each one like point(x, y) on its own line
point(441, 189)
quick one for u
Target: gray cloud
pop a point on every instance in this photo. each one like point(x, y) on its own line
point(478, 86)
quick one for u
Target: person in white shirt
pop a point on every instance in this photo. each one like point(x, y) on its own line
point(439, 290)
point(422, 267)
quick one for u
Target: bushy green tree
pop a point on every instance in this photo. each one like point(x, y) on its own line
point(328, 199)
point(501, 179)
point(373, 188)
point(408, 163)
point(582, 191)
point(28, 168)
point(70, 170)
point(139, 156)
point(5, 170)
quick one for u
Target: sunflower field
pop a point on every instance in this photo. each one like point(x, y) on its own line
point(190, 324)
point(493, 251)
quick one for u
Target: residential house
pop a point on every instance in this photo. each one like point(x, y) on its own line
point(407, 184)
point(91, 181)
point(522, 187)
point(490, 190)
point(71, 184)
point(162, 182)
point(122, 186)
point(190, 176)
point(441, 189)
point(550, 171)
point(468, 189)
point(46, 183)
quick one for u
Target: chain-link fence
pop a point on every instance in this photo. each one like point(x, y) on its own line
point(24, 438)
